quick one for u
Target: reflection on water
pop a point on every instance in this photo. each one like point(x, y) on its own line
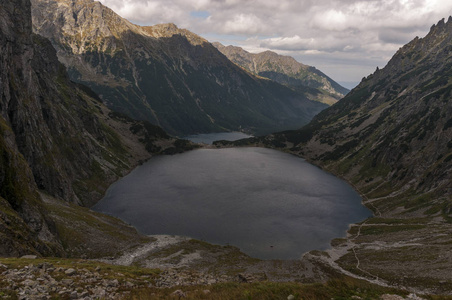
point(270, 204)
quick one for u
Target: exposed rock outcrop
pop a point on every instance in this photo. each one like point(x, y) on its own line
point(23, 222)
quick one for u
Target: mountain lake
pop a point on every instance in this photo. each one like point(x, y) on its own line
point(209, 138)
point(270, 204)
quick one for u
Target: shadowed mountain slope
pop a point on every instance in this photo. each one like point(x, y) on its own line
point(56, 138)
point(168, 76)
point(391, 137)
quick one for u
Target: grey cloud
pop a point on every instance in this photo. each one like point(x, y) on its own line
point(395, 36)
point(355, 30)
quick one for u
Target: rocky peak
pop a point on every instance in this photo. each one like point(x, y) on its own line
point(286, 70)
point(438, 38)
point(260, 62)
point(441, 25)
point(163, 30)
point(414, 63)
point(85, 25)
point(168, 30)
point(88, 25)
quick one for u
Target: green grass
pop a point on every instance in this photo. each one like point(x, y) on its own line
point(385, 229)
point(340, 289)
point(393, 221)
point(76, 225)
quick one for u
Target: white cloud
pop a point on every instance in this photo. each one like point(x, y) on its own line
point(331, 20)
point(244, 24)
point(342, 32)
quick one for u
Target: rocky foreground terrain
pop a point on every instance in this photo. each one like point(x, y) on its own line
point(90, 280)
point(54, 278)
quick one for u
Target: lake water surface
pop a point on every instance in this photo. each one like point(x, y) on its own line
point(270, 204)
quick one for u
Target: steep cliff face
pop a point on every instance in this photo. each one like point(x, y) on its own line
point(22, 219)
point(391, 135)
point(168, 76)
point(286, 70)
point(56, 137)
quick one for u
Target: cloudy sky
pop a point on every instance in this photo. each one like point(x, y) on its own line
point(346, 39)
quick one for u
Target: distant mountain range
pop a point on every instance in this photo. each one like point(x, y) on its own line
point(166, 75)
point(287, 71)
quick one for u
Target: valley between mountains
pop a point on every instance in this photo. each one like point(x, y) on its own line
point(168, 76)
point(86, 96)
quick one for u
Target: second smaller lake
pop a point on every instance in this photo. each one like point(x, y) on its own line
point(209, 138)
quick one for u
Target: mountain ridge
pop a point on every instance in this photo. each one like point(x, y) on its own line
point(287, 71)
point(390, 137)
point(410, 93)
point(154, 73)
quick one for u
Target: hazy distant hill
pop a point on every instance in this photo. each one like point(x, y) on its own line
point(287, 71)
point(163, 74)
